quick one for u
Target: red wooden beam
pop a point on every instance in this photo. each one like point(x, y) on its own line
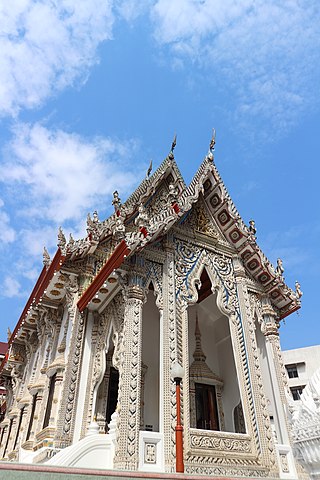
point(115, 260)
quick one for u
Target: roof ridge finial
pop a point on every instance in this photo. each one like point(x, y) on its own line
point(213, 140)
point(149, 169)
point(173, 146)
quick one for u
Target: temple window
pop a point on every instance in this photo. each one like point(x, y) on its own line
point(2, 434)
point(34, 402)
point(18, 428)
point(112, 393)
point(49, 401)
point(8, 437)
point(107, 393)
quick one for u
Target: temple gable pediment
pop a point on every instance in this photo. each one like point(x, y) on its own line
point(198, 220)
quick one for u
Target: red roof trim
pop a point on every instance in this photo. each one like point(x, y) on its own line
point(37, 292)
point(28, 304)
point(290, 311)
point(115, 260)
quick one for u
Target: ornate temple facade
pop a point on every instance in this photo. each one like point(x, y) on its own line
point(174, 275)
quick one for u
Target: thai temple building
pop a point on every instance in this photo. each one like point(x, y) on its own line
point(173, 278)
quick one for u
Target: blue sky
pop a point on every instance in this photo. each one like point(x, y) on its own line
point(91, 90)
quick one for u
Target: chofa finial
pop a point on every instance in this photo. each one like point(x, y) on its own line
point(213, 140)
point(173, 144)
point(149, 169)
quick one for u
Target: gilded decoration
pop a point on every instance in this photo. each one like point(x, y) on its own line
point(198, 220)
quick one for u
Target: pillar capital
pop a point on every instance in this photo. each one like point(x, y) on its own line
point(268, 311)
point(239, 269)
point(270, 328)
point(136, 292)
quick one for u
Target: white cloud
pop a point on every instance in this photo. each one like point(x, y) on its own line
point(55, 178)
point(10, 288)
point(267, 51)
point(46, 46)
point(60, 176)
point(131, 9)
point(8, 234)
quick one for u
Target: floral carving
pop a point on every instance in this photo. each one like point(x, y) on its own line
point(198, 440)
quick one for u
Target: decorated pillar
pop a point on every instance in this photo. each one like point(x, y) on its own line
point(270, 328)
point(264, 440)
point(68, 406)
point(73, 356)
point(169, 355)
point(128, 421)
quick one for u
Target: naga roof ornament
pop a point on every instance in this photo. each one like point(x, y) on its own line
point(61, 239)
point(46, 257)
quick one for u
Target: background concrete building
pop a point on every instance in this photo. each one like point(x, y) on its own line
point(301, 363)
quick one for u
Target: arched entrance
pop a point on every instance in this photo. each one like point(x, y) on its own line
point(215, 402)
